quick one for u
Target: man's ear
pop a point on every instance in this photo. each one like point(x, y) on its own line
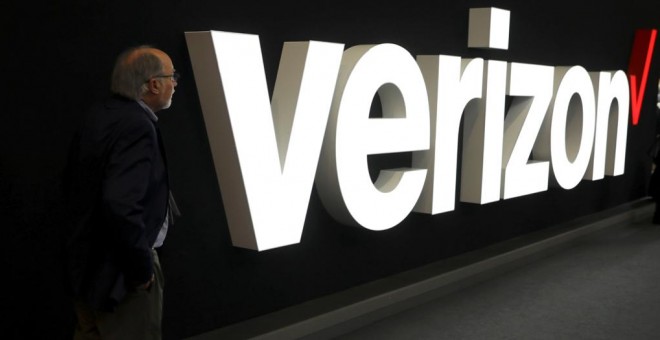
point(154, 86)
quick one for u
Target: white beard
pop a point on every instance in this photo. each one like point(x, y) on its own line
point(168, 104)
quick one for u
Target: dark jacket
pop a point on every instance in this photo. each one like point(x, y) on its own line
point(117, 192)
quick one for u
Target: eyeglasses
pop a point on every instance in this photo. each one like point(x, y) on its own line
point(175, 76)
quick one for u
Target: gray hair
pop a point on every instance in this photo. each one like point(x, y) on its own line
point(133, 68)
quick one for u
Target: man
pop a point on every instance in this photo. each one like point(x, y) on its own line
point(654, 153)
point(119, 203)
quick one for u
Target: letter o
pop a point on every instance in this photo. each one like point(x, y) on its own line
point(572, 125)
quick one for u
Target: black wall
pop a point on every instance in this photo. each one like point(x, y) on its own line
point(57, 60)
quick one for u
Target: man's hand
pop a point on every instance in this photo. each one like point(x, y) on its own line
point(147, 285)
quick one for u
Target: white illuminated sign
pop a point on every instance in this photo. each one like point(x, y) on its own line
point(564, 125)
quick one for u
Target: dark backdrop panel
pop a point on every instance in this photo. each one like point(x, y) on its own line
point(58, 58)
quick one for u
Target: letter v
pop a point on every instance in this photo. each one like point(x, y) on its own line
point(638, 69)
point(265, 154)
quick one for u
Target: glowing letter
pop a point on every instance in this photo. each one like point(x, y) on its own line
point(481, 169)
point(532, 86)
point(265, 157)
point(344, 184)
point(451, 84)
point(489, 28)
point(567, 135)
point(609, 154)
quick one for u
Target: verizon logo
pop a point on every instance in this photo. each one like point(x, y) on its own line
point(565, 124)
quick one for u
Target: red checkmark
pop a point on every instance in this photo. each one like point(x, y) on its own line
point(638, 69)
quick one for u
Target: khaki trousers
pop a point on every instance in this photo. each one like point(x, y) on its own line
point(138, 316)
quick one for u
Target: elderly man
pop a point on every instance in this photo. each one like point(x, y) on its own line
point(119, 202)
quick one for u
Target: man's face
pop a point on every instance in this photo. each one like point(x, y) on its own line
point(169, 83)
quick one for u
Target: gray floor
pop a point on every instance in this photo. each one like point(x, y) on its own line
point(605, 286)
